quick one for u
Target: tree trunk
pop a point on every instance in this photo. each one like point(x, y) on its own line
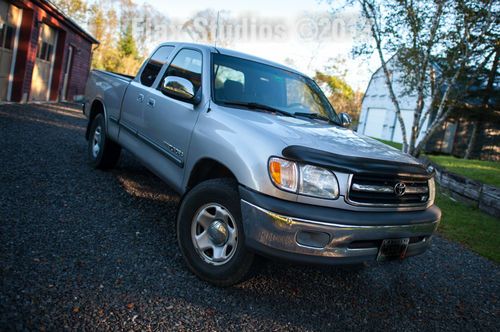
point(473, 140)
point(369, 13)
point(487, 93)
point(442, 114)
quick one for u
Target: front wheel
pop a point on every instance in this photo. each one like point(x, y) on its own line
point(210, 233)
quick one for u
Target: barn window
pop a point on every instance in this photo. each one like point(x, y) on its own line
point(7, 37)
point(45, 51)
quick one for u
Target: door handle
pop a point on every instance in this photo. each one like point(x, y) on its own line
point(140, 98)
point(151, 102)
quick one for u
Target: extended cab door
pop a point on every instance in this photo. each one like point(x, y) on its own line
point(132, 115)
point(170, 122)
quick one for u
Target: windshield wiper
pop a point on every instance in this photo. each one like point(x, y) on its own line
point(253, 105)
point(315, 116)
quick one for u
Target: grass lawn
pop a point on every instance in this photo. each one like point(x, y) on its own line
point(398, 146)
point(469, 226)
point(485, 171)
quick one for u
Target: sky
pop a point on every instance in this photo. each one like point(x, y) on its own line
point(300, 33)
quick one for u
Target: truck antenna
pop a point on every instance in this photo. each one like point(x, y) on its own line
point(217, 31)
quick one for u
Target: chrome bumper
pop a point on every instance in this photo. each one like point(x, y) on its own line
point(282, 236)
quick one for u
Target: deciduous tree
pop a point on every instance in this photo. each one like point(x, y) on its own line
point(340, 94)
point(418, 32)
point(76, 9)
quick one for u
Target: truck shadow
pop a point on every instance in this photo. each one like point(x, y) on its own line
point(316, 291)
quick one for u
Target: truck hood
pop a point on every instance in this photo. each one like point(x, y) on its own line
point(338, 140)
point(320, 135)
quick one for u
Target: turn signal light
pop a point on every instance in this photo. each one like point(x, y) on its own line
point(284, 173)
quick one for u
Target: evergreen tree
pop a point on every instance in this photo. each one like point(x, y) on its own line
point(126, 44)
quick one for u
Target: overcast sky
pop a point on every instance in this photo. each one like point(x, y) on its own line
point(300, 33)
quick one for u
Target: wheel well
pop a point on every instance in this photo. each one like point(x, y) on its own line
point(96, 108)
point(207, 169)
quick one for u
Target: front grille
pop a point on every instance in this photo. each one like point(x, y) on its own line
point(382, 191)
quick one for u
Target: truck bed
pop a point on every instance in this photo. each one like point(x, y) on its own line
point(114, 74)
point(109, 87)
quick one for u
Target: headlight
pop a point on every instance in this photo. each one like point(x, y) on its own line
point(317, 181)
point(432, 190)
point(303, 179)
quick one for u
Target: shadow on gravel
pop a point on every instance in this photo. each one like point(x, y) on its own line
point(91, 250)
point(316, 292)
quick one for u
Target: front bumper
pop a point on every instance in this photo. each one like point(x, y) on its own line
point(330, 238)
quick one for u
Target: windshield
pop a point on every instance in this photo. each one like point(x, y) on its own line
point(238, 82)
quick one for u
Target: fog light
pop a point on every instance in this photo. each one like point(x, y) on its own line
point(313, 239)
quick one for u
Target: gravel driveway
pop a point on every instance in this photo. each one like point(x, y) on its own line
point(86, 249)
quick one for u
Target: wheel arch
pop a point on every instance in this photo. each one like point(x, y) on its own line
point(96, 108)
point(206, 169)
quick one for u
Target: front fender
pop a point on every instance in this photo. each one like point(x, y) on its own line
point(238, 147)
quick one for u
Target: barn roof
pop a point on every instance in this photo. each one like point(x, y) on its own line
point(59, 14)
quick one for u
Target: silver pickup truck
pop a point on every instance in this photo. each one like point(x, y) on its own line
point(262, 162)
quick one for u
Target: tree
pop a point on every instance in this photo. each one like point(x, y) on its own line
point(419, 31)
point(487, 106)
point(116, 52)
point(340, 94)
point(76, 9)
point(206, 26)
point(130, 61)
point(103, 22)
point(126, 43)
point(151, 26)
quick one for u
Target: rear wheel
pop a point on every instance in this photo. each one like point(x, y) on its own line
point(103, 153)
point(210, 233)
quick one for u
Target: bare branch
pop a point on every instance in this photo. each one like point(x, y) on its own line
point(370, 13)
point(417, 116)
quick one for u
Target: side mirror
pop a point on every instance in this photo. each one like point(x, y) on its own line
point(180, 88)
point(345, 119)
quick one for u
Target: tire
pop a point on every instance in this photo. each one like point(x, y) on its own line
point(102, 152)
point(219, 256)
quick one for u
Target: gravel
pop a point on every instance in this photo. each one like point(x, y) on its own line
point(86, 249)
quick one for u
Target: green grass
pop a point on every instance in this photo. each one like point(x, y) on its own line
point(469, 226)
point(398, 146)
point(485, 171)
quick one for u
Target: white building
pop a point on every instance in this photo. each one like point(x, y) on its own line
point(378, 116)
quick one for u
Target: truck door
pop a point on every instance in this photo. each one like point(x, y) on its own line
point(132, 117)
point(170, 122)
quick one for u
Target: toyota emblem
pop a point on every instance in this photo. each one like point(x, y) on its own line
point(400, 188)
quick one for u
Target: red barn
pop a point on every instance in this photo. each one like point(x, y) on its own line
point(44, 54)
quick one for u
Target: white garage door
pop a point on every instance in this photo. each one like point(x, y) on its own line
point(408, 120)
point(374, 124)
point(42, 72)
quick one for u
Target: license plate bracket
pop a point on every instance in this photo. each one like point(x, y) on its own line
point(392, 249)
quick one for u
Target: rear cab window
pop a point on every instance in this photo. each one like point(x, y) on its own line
point(154, 65)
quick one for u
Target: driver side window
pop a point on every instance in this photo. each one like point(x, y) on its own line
point(186, 64)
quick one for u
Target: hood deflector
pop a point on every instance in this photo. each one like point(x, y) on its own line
point(355, 165)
